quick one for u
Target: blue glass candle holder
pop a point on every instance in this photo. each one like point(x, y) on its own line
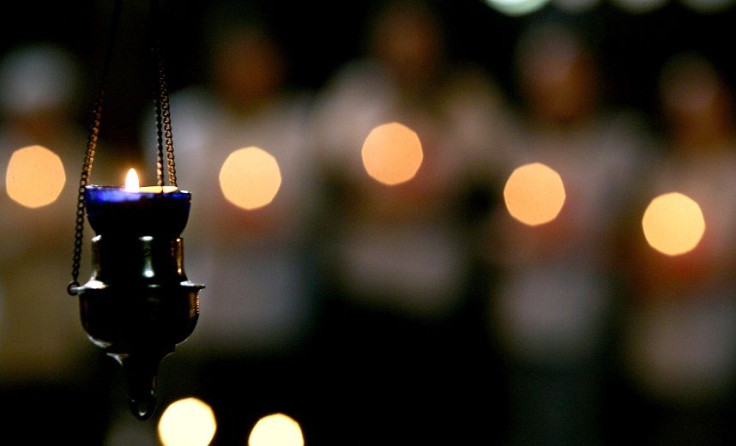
point(138, 304)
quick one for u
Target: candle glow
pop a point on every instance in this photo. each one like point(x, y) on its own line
point(132, 183)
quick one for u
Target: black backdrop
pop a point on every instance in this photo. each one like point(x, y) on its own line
point(320, 37)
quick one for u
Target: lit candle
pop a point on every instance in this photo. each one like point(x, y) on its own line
point(137, 210)
point(132, 184)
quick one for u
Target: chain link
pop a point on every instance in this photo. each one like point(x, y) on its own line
point(166, 113)
point(163, 111)
point(89, 157)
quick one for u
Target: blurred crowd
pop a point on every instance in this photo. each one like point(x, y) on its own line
point(419, 312)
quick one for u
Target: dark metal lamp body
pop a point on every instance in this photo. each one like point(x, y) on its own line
point(138, 304)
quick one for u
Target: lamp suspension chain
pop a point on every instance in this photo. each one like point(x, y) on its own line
point(162, 105)
point(89, 155)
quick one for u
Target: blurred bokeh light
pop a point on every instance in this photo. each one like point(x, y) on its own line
point(187, 422)
point(35, 176)
point(277, 429)
point(392, 153)
point(534, 194)
point(673, 223)
point(516, 8)
point(250, 178)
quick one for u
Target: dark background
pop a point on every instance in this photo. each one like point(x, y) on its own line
point(320, 37)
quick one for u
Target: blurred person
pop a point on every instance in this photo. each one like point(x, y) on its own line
point(680, 343)
point(257, 306)
point(397, 261)
point(48, 369)
point(551, 310)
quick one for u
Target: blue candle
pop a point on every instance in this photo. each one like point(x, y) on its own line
point(152, 210)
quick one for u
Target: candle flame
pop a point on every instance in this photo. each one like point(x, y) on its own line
point(132, 183)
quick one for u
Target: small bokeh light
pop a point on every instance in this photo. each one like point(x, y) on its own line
point(187, 422)
point(515, 8)
point(35, 176)
point(276, 429)
point(250, 178)
point(673, 223)
point(534, 194)
point(392, 153)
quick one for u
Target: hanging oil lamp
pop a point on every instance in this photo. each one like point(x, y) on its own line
point(138, 303)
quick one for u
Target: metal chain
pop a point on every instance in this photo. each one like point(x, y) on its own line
point(89, 157)
point(159, 131)
point(163, 110)
point(166, 114)
point(86, 173)
point(164, 136)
